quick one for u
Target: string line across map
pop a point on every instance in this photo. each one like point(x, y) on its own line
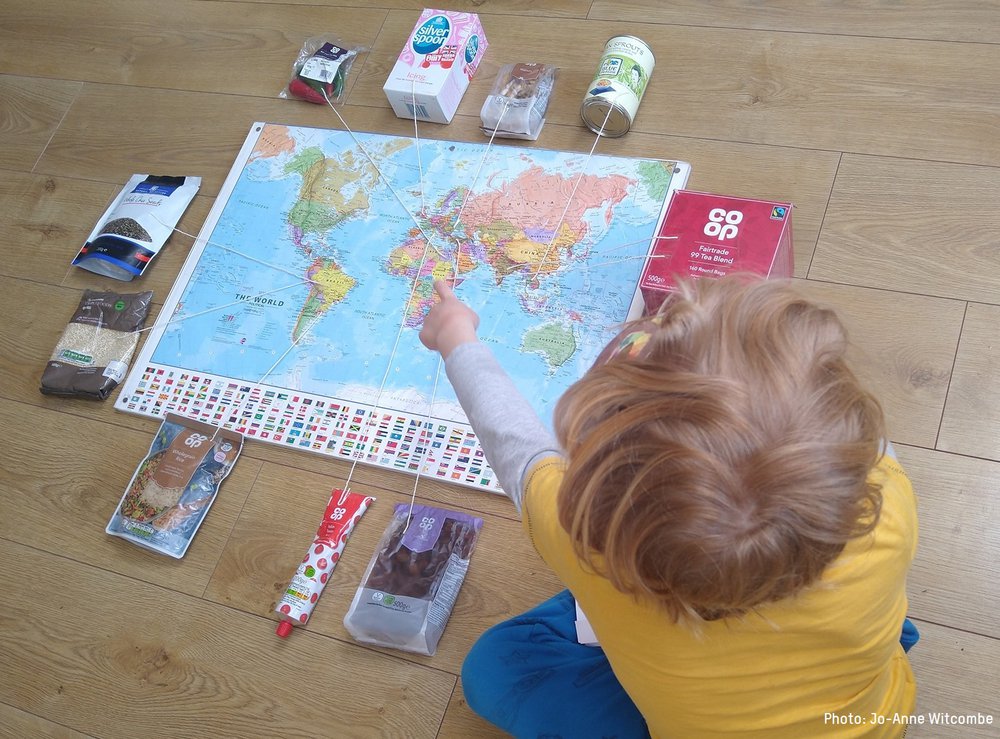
point(551, 276)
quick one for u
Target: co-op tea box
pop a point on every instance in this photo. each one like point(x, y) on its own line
point(435, 66)
point(706, 235)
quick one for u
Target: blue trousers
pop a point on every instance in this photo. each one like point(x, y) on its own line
point(531, 678)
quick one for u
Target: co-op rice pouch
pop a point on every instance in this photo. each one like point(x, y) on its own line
point(173, 488)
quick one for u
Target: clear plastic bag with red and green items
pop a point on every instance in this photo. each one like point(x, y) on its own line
point(412, 581)
point(320, 72)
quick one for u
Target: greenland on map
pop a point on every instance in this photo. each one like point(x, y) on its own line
point(295, 318)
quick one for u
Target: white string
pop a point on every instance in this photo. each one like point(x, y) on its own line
point(385, 378)
point(639, 241)
point(367, 436)
point(309, 281)
point(616, 260)
point(426, 421)
point(237, 252)
point(619, 260)
point(440, 360)
point(482, 161)
point(576, 186)
point(302, 280)
point(244, 301)
point(428, 435)
point(257, 385)
point(416, 138)
point(465, 200)
point(371, 161)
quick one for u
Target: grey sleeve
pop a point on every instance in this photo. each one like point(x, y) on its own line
point(511, 433)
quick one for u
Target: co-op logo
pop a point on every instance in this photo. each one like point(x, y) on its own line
point(722, 224)
point(431, 36)
point(195, 440)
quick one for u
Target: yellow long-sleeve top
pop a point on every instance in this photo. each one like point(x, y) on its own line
point(824, 662)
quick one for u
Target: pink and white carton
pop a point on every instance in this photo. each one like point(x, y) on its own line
point(435, 66)
point(707, 235)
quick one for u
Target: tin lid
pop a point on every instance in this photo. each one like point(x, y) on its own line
point(597, 112)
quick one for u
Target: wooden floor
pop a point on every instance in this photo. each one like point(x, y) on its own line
point(880, 121)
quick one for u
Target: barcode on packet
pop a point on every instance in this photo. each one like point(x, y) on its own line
point(418, 110)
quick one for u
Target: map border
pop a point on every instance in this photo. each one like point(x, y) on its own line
point(417, 444)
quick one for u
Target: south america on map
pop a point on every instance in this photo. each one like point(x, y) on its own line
point(317, 268)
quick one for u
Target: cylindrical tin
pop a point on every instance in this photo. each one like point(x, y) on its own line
point(613, 97)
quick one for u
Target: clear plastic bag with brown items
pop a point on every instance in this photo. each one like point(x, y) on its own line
point(409, 589)
point(518, 101)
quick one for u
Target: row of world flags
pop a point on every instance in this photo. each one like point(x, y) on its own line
point(383, 437)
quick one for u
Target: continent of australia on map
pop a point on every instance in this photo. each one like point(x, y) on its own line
point(546, 246)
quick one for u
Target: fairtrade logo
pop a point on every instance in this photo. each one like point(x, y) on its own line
point(471, 49)
point(723, 224)
point(431, 36)
point(778, 212)
point(195, 440)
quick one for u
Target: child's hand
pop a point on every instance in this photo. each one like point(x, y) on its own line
point(449, 322)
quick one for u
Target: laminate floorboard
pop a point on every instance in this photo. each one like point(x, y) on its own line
point(877, 120)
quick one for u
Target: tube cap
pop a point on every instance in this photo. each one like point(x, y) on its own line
point(284, 629)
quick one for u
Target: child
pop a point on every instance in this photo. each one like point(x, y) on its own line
point(722, 505)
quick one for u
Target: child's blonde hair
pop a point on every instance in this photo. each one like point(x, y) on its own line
point(723, 463)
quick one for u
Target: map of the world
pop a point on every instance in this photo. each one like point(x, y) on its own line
point(295, 318)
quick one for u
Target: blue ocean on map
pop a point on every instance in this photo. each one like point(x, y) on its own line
point(315, 268)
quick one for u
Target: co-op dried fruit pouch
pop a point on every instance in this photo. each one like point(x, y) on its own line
point(175, 485)
point(409, 589)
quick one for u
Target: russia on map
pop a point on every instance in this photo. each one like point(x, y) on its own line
point(315, 268)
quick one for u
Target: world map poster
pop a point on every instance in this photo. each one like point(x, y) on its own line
point(295, 317)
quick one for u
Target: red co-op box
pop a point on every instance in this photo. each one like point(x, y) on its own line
point(713, 235)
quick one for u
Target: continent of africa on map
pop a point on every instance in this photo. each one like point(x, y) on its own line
point(316, 266)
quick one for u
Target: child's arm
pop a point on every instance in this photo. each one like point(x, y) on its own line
point(511, 434)
point(449, 323)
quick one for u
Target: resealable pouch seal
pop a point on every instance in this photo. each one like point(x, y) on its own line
point(96, 347)
point(136, 225)
point(174, 487)
point(409, 589)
